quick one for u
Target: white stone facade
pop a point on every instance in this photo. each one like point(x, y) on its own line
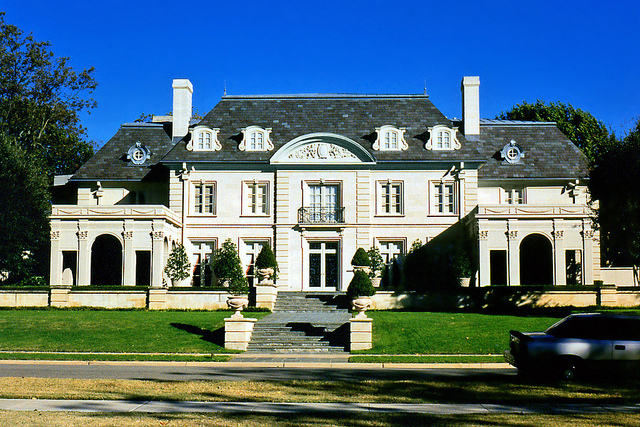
point(317, 197)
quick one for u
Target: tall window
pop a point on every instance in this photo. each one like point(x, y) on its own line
point(323, 203)
point(205, 198)
point(256, 198)
point(390, 201)
point(443, 201)
point(255, 138)
point(201, 275)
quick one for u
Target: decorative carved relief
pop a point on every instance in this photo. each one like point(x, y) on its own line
point(128, 235)
point(558, 234)
point(157, 235)
point(321, 151)
point(588, 234)
point(55, 235)
point(82, 235)
point(483, 235)
point(512, 235)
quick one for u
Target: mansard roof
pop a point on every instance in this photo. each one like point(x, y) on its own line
point(351, 116)
point(111, 163)
point(549, 154)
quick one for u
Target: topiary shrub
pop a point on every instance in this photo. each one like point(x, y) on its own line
point(361, 258)
point(360, 286)
point(178, 264)
point(266, 258)
point(376, 262)
point(227, 268)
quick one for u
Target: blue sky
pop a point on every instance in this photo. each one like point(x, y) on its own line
point(585, 53)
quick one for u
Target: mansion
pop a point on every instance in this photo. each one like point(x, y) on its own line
point(318, 176)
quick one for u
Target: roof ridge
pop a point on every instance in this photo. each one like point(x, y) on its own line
point(325, 96)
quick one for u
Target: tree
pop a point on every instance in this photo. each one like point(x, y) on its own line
point(615, 184)
point(227, 268)
point(178, 264)
point(588, 133)
point(24, 221)
point(41, 97)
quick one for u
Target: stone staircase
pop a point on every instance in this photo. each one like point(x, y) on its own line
point(303, 322)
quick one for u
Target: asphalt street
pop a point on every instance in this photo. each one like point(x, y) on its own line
point(198, 371)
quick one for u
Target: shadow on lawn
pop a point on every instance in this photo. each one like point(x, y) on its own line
point(214, 337)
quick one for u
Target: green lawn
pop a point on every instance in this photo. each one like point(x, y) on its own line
point(447, 333)
point(114, 331)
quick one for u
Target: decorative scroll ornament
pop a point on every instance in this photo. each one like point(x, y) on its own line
point(322, 151)
point(390, 138)
point(258, 136)
point(138, 153)
point(204, 138)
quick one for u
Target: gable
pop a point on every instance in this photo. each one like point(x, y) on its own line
point(322, 148)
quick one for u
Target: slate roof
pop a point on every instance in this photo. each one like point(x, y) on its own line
point(110, 162)
point(548, 152)
point(353, 116)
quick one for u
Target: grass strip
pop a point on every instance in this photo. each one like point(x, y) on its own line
point(138, 357)
point(486, 390)
point(47, 419)
point(426, 359)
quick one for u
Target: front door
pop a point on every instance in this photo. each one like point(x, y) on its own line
point(323, 266)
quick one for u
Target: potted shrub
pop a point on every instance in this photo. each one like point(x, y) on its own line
point(376, 266)
point(227, 269)
point(266, 265)
point(178, 265)
point(361, 261)
point(462, 268)
point(360, 291)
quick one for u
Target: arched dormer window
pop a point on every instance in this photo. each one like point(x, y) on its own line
point(255, 138)
point(390, 138)
point(204, 138)
point(442, 138)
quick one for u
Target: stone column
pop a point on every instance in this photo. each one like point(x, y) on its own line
point(363, 208)
point(157, 257)
point(587, 240)
point(237, 332)
point(484, 260)
point(84, 255)
point(129, 277)
point(361, 333)
point(559, 255)
point(55, 263)
point(513, 255)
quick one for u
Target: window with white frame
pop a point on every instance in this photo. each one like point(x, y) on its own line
point(390, 250)
point(390, 138)
point(514, 196)
point(205, 198)
point(204, 139)
point(256, 198)
point(390, 198)
point(442, 138)
point(255, 138)
point(202, 252)
point(443, 198)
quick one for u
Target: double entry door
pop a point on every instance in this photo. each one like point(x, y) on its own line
point(324, 266)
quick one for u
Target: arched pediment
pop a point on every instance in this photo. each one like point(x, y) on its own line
point(322, 148)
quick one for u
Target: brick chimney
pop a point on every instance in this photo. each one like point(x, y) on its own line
point(471, 107)
point(182, 91)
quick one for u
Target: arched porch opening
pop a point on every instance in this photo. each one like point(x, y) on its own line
point(106, 261)
point(536, 261)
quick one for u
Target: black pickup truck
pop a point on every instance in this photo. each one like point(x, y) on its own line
point(577, 343)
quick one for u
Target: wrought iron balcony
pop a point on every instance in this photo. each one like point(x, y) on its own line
point(320, 215)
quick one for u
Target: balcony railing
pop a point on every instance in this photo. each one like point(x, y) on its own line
point(320, 215)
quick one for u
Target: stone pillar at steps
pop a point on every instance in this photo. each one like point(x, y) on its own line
point(361, 333)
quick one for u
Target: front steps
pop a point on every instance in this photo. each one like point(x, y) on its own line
point(304, 322)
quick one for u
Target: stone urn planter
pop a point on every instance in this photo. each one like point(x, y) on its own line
point(361, 304)
point(237, 303)
point(364, 268)
point(265, 275)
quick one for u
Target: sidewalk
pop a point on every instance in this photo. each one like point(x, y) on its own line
point(120, 406)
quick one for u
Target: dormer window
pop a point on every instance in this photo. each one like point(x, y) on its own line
point(442, 138)
point(204, 138)
point(138, 153)
point(256, 138)
point(390, 138)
